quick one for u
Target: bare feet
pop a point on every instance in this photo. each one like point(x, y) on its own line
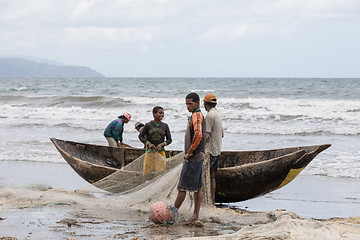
point(197, 223)
point(194, 224)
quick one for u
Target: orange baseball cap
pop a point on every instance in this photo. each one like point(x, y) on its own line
point(210, 98)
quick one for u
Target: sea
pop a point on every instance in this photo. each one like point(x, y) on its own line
point(257, 113)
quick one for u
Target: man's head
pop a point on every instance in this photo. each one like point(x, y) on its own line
point(125, 117)
point(138, 126)
point(192, 102)
point(158, 113)
point(209, 101)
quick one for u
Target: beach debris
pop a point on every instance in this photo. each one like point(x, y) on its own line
point(162, 213)
point(85, 193)
point(69, 222)
point(40, 187)
point(215, 219)
point(197, 224)
point(349, 220)
point(162, 238)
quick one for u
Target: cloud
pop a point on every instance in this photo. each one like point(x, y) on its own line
point(82, 8)
point(191, 20)
point(116, 36)
point(168, 28)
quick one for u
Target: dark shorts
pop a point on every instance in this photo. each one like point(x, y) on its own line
point(190, 177)
point(214, 163)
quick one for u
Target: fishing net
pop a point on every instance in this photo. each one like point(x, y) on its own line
point(131, 178)
point(153, 162)
point(139, 192)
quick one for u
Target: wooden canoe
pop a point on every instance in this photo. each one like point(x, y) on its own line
point(241, 175)
point(94, 162)
point(248, 174)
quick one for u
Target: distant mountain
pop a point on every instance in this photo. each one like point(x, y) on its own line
point(20, 67)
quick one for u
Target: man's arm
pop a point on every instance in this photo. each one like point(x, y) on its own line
point(142, 134)
point(168, 135)
point(116, 132)
point(197, 124)
point(209, 125)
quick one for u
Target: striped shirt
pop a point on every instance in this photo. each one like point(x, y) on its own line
point(195, 136)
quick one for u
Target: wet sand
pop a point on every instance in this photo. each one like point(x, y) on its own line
point(49, 201)
point(37, 213)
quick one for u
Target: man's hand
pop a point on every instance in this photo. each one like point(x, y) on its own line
point(160, 146)
point(152, 146)
point(189, 154)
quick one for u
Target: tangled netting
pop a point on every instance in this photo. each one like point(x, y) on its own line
point(131, 178)
point(163, 213)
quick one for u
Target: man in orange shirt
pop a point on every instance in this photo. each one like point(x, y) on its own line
point(190, 177)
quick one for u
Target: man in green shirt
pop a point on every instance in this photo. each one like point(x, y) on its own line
point(114, 131)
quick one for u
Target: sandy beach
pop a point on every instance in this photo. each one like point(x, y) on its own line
point(57, 204)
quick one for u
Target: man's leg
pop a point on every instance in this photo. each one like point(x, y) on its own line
point(111, 141)
point(213, 187)
point(180, 199)
point(198, 199)
point(213, 168)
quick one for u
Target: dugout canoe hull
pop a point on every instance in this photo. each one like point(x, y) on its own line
point(94, 162)
point(241, 175)
point(249, 174)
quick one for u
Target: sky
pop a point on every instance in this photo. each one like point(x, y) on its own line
point(188, 38)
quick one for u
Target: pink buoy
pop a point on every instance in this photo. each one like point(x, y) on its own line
point(162, 213)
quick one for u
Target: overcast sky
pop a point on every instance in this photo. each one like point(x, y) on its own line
point(188, 38)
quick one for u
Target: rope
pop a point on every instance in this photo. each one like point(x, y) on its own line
point(49, 203)
point(129, 222)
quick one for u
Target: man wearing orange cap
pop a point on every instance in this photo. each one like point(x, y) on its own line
point(114, 131)
point(213, 140)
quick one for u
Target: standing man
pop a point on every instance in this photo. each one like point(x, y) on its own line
point(153, 134)
point(214, 135)
point(190, 177)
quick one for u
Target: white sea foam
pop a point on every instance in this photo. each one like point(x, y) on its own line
point(342, 165)
point(250, 116)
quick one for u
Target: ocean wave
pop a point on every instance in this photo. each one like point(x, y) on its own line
point(63, 101)
point(14, 99)
point(55, 125)
point(30, 152)
point(257, 116)
point(17, 89)
point(288, 109)
point(34, 160)
point(343, 168)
